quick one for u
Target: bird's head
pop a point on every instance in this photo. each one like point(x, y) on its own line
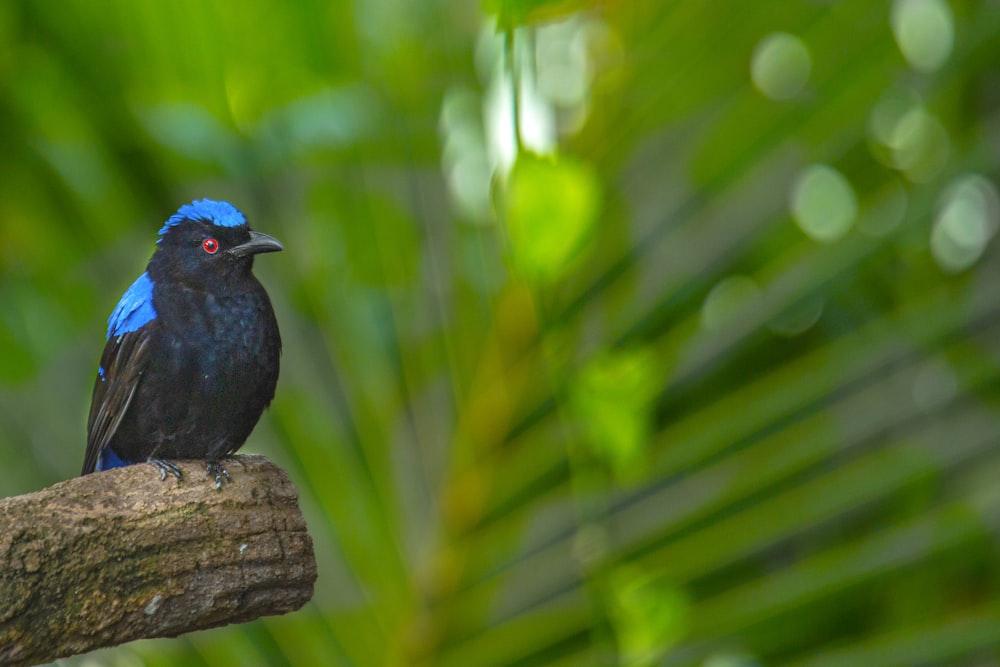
point(207, 244)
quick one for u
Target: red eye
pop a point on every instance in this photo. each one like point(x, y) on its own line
point(211, 246)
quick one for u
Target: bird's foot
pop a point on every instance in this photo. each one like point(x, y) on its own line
point(165, 467)
point(215, 468)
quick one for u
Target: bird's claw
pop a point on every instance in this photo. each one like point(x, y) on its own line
point(215, 468)
point(164, 467)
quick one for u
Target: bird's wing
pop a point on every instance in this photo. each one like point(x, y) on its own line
point(122, 364)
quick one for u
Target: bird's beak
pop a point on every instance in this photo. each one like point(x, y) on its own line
point(257, 244)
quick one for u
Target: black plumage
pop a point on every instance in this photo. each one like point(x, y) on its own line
point(193, 349)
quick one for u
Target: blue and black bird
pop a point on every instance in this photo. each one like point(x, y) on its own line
point(192, 351)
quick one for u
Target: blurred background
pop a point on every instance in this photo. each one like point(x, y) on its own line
point(616, 333)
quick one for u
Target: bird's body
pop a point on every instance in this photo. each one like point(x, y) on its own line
point(193, 348)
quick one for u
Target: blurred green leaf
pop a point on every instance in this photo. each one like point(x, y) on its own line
point(551, 208)
point(611, 399)
point(648, 615)
point(516, 13)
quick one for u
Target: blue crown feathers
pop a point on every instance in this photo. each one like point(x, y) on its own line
point(220, 213)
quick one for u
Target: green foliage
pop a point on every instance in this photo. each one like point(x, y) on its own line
point(516, 13)
point(611, 400)
point(698, 368)
point(551, 208)
point(649, 617)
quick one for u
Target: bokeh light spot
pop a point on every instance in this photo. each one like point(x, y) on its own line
point(730, 298)
point(920, 145)
point(823, 203)
point(561, 58)
point(890, 109)
point(730, 660)
point(798, 318)
point(885, 211)
point(780, 66)
point(464, 157)
point(924, 31)
point(967, 219)
point(590, 544)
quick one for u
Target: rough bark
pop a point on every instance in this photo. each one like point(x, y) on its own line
point(120, 555)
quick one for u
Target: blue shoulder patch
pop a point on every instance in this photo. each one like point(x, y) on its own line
point(134, 309)
point(221, 213)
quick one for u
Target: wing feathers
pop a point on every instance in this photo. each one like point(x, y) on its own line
point(123, 361)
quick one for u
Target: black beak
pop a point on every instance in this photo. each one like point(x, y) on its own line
point(257, 244)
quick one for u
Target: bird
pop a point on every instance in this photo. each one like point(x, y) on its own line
point(192, 349)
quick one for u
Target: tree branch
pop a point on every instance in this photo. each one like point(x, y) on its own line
point(114, 556)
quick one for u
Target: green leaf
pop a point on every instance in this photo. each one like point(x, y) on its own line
point(514, 13)
point(611, 399)
point(649, 615)
point(552, 207)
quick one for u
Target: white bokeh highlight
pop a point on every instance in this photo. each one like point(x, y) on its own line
point(968, 217)
point(924, 31)
point(731, 297)
point(823, 203)
point(780, 66)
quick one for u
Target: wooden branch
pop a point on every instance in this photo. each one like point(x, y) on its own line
point(114, 556)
